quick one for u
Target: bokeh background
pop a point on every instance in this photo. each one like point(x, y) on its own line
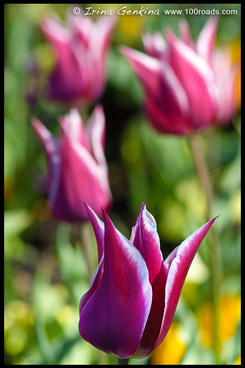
point(45, 273)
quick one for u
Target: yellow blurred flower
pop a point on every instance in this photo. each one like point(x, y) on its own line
point(229, 316)
point(238, 361)
point(18, 313)
point(18, 319)
point(235, 207)
point(131, 26)
point(235, 51)
point(171, 350)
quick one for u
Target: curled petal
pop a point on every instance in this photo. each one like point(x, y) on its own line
point(178, 264)
point(114, 317)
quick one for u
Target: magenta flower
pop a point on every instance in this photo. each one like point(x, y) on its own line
point(187, 86)
point(134, 293)
point(81, 51)
point(77, 168)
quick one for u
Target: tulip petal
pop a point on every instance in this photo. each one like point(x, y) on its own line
point(226, 75)
point(80, 26)
point(154, 45)
point(94, 284)
point(185, 33)
point(163, 112)
point(51, 146)
point(105, 28)
point(99, 230)
point(55, 32)
point(197, 79)
point(80, 176)
point(206, 38)
point(146, 67)
point(96, 134)
point(145, 238)
point(114, 318)
point(178, 264)
point(72, 126)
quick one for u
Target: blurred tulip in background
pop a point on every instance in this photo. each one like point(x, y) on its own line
point(81, 49)
point(77, 168)
point(188, 86)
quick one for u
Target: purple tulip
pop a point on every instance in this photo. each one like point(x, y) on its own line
point(187, 86)
point(134, 293)
point(81, 51)
point(77, 168)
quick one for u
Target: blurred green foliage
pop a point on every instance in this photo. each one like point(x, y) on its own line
point(45, 271)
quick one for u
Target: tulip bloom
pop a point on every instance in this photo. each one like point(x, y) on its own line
point(188, 86)
point(81, 51)
point(134, 293)
point(77, 168)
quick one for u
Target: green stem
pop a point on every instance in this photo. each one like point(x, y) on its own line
point(123, 361)
point(87, 249)
point(206, 183)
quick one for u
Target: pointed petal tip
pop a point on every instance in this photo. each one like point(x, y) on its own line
point(169, 35)
point(147, 216)
point(36, 123)
point(90, 212)
point(212, 221)
point(216, 217)
point(40, 129)
point(127, 52)
point(99, 108)
point(88, 208)
point(105, 215)
point(123, 49)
